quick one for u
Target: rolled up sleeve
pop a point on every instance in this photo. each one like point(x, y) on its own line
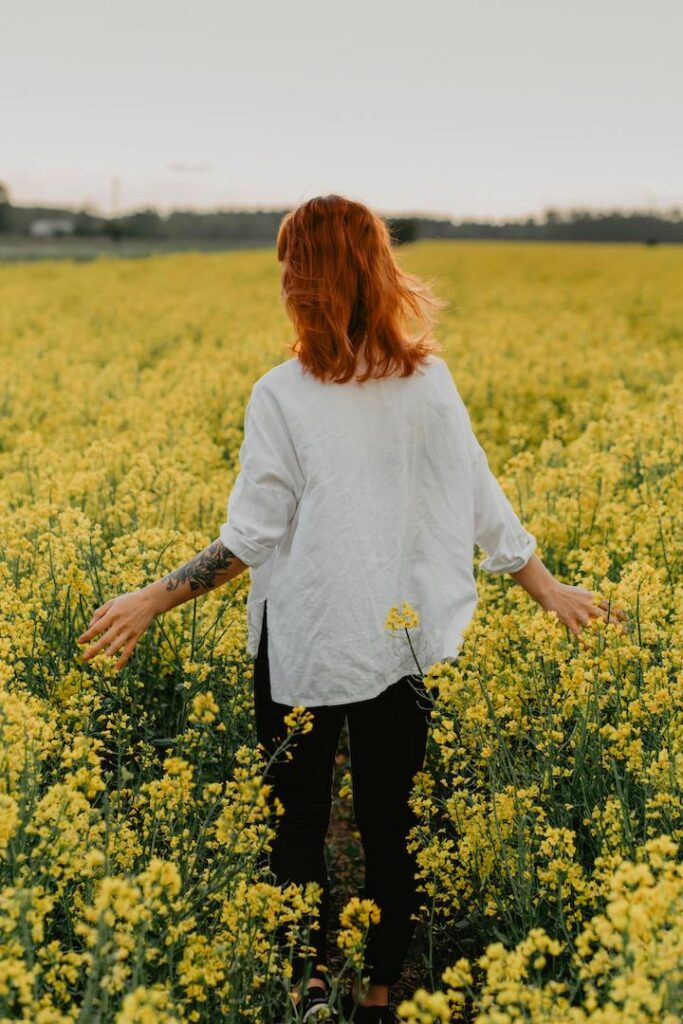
point(268, 486)
point(497, 528)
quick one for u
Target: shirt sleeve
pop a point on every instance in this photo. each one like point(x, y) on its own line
point(497, 528)
point(268, 487)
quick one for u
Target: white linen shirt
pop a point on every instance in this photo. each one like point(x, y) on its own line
point(354, 497)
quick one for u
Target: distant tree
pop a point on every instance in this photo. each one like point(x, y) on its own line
point(402, 229)
point(113, 229)
point(5, 208)
point(88, 222)
point(144, 224)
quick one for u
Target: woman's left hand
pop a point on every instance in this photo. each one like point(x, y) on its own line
point(122, 620)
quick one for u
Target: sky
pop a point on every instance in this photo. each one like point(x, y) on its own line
point(481, 109)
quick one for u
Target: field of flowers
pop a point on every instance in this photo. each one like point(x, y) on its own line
point(134, 822)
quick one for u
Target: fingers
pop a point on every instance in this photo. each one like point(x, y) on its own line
point(581, 605)
point(127, 651)
point(96, 626)
point(103, 607)
point(615, 612)
point(98, 622)
point(113, 642)
point(102, 610)
point(576, 627)
point(599, 610)
point(105, 639)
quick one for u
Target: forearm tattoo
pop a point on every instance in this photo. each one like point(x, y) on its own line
point(201, 571)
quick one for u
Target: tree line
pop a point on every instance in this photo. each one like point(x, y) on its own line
point(261, 226)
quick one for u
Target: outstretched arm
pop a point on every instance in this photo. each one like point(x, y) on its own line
point(511, 547)
point(122, 620)
point(261, 506)
point(211, 568)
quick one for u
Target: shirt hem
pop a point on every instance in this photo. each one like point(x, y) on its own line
point(306, 702)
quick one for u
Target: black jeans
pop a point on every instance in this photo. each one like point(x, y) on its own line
point(387, 740)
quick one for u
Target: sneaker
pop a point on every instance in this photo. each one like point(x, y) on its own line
point(314, 1008)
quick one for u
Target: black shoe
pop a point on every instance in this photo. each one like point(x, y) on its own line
point(314, 1006)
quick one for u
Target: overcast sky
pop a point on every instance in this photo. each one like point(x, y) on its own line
point(483, 108)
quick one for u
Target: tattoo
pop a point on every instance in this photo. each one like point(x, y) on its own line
point(201, 571)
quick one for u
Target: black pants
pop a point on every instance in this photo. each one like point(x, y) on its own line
point(387, 739)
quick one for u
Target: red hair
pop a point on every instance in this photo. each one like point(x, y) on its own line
point(344, 291)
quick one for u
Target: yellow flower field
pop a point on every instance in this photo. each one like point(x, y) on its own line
point(134, 823)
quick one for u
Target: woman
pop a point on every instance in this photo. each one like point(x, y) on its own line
point(361, 485)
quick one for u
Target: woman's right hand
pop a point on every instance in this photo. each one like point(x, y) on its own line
point(575, 606)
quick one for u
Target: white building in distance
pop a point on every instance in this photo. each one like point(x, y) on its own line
point(49, 227)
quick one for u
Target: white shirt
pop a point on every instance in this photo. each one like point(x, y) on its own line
point(352, 498)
